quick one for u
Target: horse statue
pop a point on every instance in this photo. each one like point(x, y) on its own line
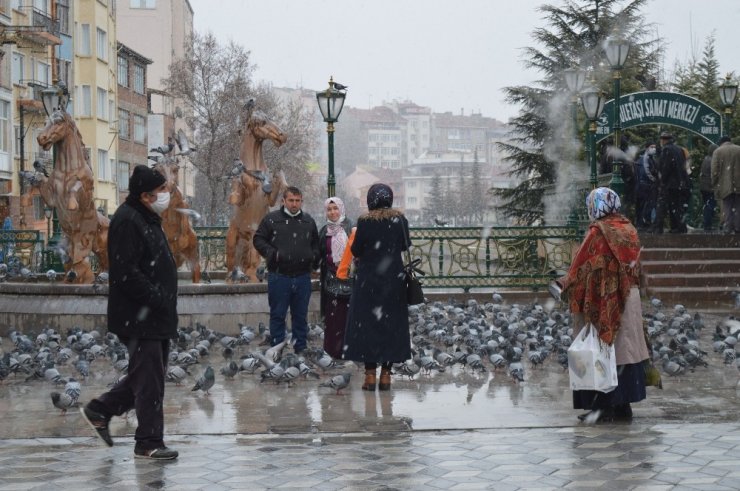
point(253, 192)
point(180, 234)
point(69, 189)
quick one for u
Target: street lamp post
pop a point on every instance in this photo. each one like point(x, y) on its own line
point(617, 49)
point(574, 79)
point(727, 95)
point(331, 102)
point(593, 103)
point(54, 98)
point(47, 213)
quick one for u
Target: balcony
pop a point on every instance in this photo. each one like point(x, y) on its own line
point(31, 100)
point(39, 28)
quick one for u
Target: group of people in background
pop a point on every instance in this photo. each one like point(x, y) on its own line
point(370, 324)
point(659, 185)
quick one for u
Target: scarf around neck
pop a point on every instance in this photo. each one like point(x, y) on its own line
point(603, 272)
point(336, 231)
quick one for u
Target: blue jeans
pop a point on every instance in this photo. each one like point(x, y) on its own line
point(294, 292)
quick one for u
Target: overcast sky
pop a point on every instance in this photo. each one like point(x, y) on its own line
point(446, 54)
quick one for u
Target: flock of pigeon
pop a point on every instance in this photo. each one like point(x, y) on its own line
point(495, 336)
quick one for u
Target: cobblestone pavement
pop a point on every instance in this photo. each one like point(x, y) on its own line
point(445, 430)
point(618, 457)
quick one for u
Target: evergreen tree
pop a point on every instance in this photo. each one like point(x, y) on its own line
point(460, 203)
point(474, 194)
point(434, 202)
point(575, 35)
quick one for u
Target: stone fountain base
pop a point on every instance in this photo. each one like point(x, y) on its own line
point(29, 306)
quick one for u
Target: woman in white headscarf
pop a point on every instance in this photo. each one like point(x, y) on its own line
point(334, 294)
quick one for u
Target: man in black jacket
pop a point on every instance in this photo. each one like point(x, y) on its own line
point(675, 186)
point(142, 311)
point(289, 241)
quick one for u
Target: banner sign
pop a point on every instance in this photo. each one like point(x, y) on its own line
point(661, 108)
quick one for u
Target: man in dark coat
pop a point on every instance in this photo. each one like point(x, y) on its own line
point(675, 186)
point(646, 187)
point(142, 311)
point(289, 241)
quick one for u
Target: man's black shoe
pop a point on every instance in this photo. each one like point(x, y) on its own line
point(99, 423)
point(161, 453)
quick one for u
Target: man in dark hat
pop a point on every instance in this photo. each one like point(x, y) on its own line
point(142, 311)
point(675, 186)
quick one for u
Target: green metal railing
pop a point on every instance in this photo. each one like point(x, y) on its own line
point(461, 257)
point(22, 248)
point(451, 257)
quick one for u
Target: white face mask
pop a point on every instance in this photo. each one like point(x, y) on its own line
point(163, 201)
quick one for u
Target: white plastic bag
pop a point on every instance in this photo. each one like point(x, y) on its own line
point(592, 364)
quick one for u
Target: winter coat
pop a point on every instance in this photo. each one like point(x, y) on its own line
point(726, 170)
point(673, 173)
point(378, 325)
point(290, 245)
point(705, 175)
point(142, 301)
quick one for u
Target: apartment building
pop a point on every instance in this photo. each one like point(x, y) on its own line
point(95, 94)
point(29, 31)
point(159, 31)
point(131, 75)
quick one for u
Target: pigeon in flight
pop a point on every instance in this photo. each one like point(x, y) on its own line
point(165, 149)
point(183, 144)
point(194, 215)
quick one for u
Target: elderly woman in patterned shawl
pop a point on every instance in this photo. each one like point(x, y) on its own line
point(602, 288)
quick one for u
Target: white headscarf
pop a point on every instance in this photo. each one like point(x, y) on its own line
point(336, 231)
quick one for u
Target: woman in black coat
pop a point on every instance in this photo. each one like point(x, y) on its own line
point(378, 326)
point(332, 241)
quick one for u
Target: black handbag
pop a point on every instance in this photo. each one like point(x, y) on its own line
point(414, 292)
point(337, 287)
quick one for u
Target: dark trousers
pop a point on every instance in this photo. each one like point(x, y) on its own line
point(142, 389)
point(645, 201)
point(710, 204)
point(674, 202)
point(292, 292)
point(731, 213)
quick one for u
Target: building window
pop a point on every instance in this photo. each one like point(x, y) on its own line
point(18, 68)
point(410, 201)
point(123, 124)
point(410, 184)
point(138, 79)
point(122, 71)
point(5, 136)
point(38, 208)
point(103, 166)
point(84, 101)
point(102, 106)
point(83, 44)
point(139, 129)
point(63, 69)
point(43, 73)
point(123, 173)
point(102, 45)
point(143, 4)
point(63, 15)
